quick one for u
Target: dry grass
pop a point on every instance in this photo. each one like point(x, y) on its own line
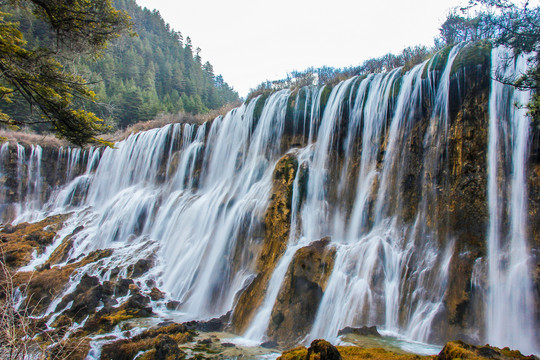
point(356, 353)
point(27, 138)
point(165, 119)
point(23, 336)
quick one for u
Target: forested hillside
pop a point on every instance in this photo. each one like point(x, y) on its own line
point(154, 70)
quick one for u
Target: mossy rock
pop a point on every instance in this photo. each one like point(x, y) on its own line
point(18, 243)
point(155, 342)
point(298, 353)
point(438, 61)
point(357, 353)
point(322, 350)
point(473, 54)
point(43, 286)
point(462, 350)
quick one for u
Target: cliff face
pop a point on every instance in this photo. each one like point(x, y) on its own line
point(412, 180)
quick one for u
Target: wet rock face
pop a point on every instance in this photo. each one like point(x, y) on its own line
point(277, 227)
point(301, 292)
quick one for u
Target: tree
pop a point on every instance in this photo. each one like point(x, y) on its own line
point(518, 27)
point(38, 74)
point(459, 28)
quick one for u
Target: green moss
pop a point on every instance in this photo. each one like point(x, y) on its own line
point(289, 113)
point(477, 53)
point(396, 87)
point(259, 106)
point(438, 61)
point(325, 95)
point(298, 353)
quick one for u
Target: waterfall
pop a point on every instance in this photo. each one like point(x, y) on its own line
point(510, 317)
point(375, 158)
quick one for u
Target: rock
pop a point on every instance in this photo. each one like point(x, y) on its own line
point(167, 348)
point(173, 305)
point(61, 253)
point(140, 268)
point(269, 345)
point(122, 287)
point(154, 342)
point(363, 331)
point(85, 299)
point(298, 353)
point(44, 286)
point(322, 350)
point(301, 292)
point(134, 288)
point(74, 348)
point(137, 305)
point(461, 350)
point(228, 345)
point(206, 341)
point(156, 294)
point(212, 325)
point(19, 242)
point(277, 227)
point(105, 319)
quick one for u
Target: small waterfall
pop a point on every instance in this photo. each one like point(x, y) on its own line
point(510, 317)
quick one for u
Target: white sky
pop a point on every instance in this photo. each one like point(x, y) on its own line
point(250, 41)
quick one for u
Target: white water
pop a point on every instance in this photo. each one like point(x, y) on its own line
point(193, 198)
point(510, 316)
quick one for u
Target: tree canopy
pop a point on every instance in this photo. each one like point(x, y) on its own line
point(506, 23)
point(132, 79)
point(37, 74)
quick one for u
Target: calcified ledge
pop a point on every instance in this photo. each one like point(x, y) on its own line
point(391, 200)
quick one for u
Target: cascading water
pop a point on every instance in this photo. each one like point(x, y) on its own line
point(510, 317)
point(372, 155)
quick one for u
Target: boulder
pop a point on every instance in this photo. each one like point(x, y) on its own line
point(322, 350)
point(141, 267)
point(156, 294)
point(461, 350)
point(363, 331)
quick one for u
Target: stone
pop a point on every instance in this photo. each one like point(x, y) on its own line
point(173, 305)
point(363, 331)
point(154, 342)
point(156, 294)
point(322, 350)
point(270, 345)
point(141, 267)
point(461, 350)
point(301, 293)
point(166, 348)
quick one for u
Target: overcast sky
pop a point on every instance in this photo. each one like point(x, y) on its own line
point(250, 41)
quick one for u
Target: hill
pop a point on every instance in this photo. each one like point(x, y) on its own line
point(154, 71)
